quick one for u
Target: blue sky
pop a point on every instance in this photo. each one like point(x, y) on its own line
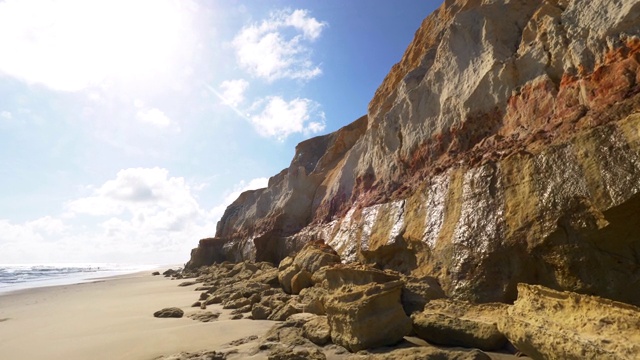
point(126, 127)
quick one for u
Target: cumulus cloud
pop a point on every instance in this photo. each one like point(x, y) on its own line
point(139, 191)
point(232, 91)
point(265, 50)
point(143, 215)
point(154, 117)
point(279, 118)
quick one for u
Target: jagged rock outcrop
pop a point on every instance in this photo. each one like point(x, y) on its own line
point(548, 324)
point(503, 148)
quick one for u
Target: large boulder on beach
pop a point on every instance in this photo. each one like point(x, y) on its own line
point(549, 324)
point(171, 312)
point(459, 323)
point(363, 313)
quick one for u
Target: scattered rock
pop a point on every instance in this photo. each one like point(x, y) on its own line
point(196, 304)
point(458, 323)
point(187, 283)
point(417, 292)
point(317, 330)
point(155, 273)
point(243, 341)
point(300, 281)
point(204, 316)
point(237, 317)
point(172, 312)
point(260, 312)
point(170, 272)
point(549, 324)
point(312, 300)
point(282, 353)
point(421, 353)
point(204, 355)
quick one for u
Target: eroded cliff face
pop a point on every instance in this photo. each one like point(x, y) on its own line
point(504, 147)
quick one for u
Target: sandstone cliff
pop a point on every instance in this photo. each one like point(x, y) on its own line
point(504, 147)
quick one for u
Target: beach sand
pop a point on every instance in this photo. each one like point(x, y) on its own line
point(112, 319)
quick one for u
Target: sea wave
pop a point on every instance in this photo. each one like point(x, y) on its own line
point(23, 276)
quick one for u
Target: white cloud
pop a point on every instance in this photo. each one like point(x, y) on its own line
point(233, 91)
point(280, 118)
point(6, 115)
point(265, 50)
point(143, 215)
point(154, 117)
point(147, 191)
point(70, 45)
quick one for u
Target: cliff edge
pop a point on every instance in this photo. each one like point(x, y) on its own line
point(503, 148)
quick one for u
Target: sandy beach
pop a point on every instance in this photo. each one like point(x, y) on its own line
point(112, 319)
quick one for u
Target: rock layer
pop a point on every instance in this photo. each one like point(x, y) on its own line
point(502, 148)
point(548, 324)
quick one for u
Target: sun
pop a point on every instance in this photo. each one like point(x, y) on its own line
point(73, 44)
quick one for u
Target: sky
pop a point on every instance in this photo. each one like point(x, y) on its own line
point(128, 126)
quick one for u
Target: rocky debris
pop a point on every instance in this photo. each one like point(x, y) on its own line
point(204, 316)
point(550, 324)
point(356, 303)
point(457, 323)
point(312, 300)
point(203, 355)
point(187, 283)
point(417, 292)
point(155, 273)
point(171, 312)
point(296, 354)
point(296, 272)
point(317, 330)
point(243, 341)
point(171, 272)
point(287, 335)
point(420, 353)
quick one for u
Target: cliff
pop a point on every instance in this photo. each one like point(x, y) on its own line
point(504, 147)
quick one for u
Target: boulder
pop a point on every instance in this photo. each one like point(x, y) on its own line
point(155, 273)
point(317, 330)
point(171, 312)
point(260, 312)
point(301, 280)
point(314, 256)
point(549, 324)
point(286, 271)
point(366, 316)
point(312, 300)
point(458, 323)
point(417, 292)
point(283, 312)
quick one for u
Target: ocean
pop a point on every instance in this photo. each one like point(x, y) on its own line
point(26, 276)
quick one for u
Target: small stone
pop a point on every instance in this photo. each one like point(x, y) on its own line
point(172, 312)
